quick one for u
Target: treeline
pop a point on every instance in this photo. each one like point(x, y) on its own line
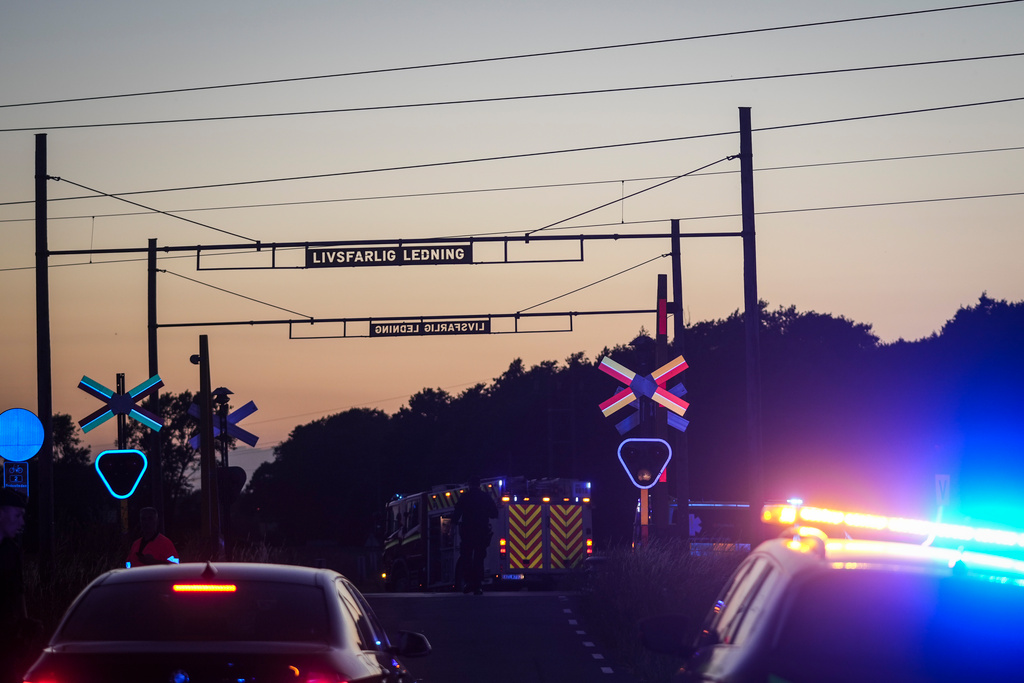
point(846, 421)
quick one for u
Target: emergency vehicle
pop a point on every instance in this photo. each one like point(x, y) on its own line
point(543, 532)
point(850, 596)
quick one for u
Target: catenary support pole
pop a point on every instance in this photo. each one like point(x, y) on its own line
point(153, 404)
point(752, 320)
point(44, 385)
point(661, 490)
point(679, 467)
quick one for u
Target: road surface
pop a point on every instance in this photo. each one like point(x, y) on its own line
point(500, 637)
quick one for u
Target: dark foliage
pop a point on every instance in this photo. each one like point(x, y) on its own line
point(844, 418)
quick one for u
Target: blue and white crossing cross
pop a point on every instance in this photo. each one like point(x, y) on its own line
point(121, 404)
point(233, 429)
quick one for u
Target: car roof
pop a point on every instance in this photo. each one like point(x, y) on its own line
point(797, 554)
point(217, 572)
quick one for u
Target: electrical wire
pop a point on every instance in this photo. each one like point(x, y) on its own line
point(623, 198)
point(574, 150)
point(596, 282)
point(241, 296)
point(443, 193)
point(149, 208)
point(602, 225)
point(549, 53)
point(506, 98)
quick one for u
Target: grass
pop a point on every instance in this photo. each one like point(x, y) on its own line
point(659, 578)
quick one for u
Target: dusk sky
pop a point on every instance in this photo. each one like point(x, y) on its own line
point(888, 187)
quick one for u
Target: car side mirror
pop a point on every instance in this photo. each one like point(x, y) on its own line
point(664, 634)
point(411, 644)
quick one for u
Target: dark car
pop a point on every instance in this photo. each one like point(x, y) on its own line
point(805, 607)
point(223, 623)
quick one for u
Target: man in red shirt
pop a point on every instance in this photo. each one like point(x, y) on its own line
point(152, 547)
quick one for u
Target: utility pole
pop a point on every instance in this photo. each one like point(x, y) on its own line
point(207, 454)
point(661, 502)
point(679, 466)
point(156, 441)
point(122, 443)
point(44, 381)
point(752, 320)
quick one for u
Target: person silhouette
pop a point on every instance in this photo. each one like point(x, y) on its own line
point(473, 513)
point(152, 547)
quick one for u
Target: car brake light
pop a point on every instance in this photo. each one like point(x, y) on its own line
point(204, 588)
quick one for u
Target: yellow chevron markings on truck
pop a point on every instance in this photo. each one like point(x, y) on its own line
point(566, 535)
point(525, 547)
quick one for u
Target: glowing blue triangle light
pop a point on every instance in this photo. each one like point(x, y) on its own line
point(123, 476)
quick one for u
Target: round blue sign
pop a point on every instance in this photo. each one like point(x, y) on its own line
point(21, 434)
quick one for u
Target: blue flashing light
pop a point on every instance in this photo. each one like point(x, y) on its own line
point(173, 560)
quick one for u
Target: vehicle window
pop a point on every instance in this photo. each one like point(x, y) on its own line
point(364, 637)
point(380, 635)
point(734, 604)
point(412, 516)
point(913, 626)
point(759, 599)
point(149, 611)
point(394, 519)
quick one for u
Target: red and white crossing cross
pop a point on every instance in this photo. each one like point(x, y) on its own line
point(650, 386)
point(121, 404)
point(233, 429)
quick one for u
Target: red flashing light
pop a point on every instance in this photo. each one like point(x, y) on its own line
point(590, 546)
point(501, 546)
point(205, 588)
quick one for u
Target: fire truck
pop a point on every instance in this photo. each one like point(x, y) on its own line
point(543, 532)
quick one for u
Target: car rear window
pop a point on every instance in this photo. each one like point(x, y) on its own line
point(153, 611)
point(905, 626)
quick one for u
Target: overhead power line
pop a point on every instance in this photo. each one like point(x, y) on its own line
point(531, 55)
point(165, 213)
point(869, 205)
point(573, 150)
point(509, 98)
point(509, 188)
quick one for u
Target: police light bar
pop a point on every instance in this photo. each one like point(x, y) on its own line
point(789, 515)
point(204, 588)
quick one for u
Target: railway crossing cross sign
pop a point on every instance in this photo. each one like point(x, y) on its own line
point(652, 386)
point(121, 404)
point(233, 429)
